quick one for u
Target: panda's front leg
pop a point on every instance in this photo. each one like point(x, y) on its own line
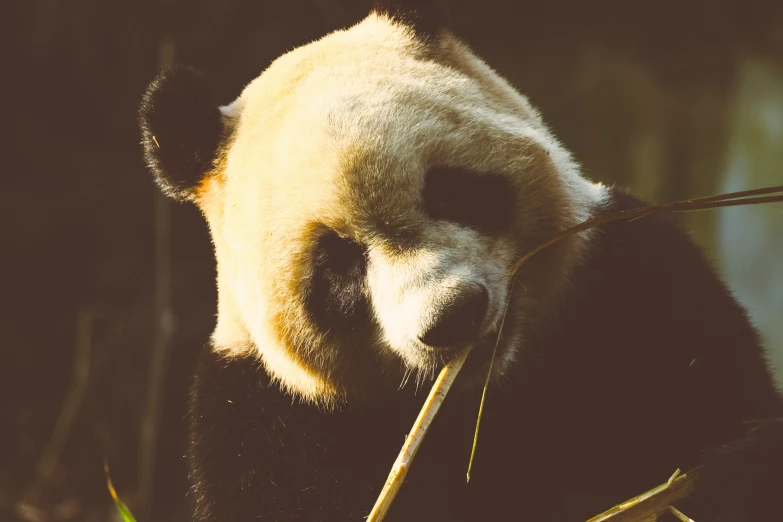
point(256, 453)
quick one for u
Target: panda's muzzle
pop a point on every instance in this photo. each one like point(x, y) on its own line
point(460, 323)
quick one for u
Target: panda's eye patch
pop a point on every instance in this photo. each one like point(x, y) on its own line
point(336, 295)
point(481, 201)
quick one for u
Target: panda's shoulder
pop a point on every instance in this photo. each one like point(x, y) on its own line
point(232, 378)
point(650, 269)
point(230, 396)
point(654, 243)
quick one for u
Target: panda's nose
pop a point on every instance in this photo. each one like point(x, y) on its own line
point(460, 323)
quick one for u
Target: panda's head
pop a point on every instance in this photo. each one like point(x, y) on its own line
point(367, 196)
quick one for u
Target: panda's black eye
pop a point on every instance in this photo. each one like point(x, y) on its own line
point(481, 201)
point(336, 297)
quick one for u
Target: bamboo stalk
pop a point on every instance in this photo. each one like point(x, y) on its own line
point(651, 504)
point(680, 515)
point(414, 439)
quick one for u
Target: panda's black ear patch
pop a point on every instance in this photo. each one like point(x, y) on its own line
point(181, 129)
point(426, 17)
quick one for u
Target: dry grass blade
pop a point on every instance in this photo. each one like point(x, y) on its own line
point(486, 385)
point(122, 509)
point(413, 440)
point(731, 199)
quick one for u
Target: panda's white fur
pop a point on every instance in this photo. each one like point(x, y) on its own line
point(370, 106)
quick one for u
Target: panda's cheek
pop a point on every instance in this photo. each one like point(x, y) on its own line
point(398, 297)
point(400, 319)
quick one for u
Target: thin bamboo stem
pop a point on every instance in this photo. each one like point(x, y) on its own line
point(416, 436)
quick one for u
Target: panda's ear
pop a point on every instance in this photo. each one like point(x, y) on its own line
point(426, 17)
point(181, 129)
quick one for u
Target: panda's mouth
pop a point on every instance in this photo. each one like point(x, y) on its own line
point(492, 348)
point(482, 350)
point(487, 342)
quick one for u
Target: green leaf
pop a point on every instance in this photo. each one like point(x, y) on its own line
point(121, 507)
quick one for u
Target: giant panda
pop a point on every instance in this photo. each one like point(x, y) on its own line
point(367, 195)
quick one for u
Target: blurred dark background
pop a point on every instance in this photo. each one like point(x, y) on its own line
point(108, 290)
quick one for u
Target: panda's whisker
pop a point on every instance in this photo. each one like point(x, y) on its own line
point(405, 378)
point(420, 378)
point(527, 349)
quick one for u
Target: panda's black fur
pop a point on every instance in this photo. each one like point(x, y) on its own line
point(646, 364)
